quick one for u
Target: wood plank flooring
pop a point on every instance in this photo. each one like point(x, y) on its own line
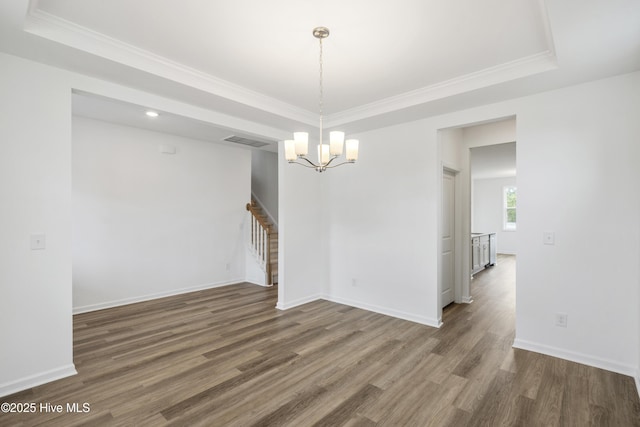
point(227, 357)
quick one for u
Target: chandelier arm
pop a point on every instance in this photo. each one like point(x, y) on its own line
point(339, 164)
point(303, 165)
point(308, 161)
point(330, 160)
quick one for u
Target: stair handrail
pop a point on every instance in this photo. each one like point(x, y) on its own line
point(251, 207)
point(261, 239)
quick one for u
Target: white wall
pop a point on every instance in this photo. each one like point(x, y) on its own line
point(488, 211)
point(35, 134)
point(382, 217)
point(497, 132)
point(451, 141)
point(302, 243)
point(584, 135)
point(383, 226)
point(578, 171)
point(35, 185)
point(148, 224)
point(264, 181)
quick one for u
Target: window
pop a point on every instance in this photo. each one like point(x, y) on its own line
point(509, 213)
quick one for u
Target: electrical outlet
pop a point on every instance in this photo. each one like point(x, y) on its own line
point(561, 320)
point(354, 283)
point(167, 149)
point(38, 241)
point(228, 266)
point(549, 238)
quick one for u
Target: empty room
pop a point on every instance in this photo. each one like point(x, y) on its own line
point(408, 213)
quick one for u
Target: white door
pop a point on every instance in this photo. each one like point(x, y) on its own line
point(448, 237)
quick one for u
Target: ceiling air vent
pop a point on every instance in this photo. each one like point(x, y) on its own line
point(246, 141)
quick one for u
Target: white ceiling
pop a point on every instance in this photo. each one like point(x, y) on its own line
point(127, 114)
point(266, 46)
point(385, 61)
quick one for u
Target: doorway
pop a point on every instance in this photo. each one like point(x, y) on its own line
point(455, 146)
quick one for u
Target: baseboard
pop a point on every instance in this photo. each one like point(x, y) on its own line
point(386, 311)
point(36, 380)
point(467, 300)
point(300, 301)
point(142, 298)
point(262, 285)
point(585, 359)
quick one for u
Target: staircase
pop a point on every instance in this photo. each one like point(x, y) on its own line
point(264, 242)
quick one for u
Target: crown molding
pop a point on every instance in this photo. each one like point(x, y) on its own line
point(54, 28)
point(523, 67)
point(546, 24)
point(519, 68)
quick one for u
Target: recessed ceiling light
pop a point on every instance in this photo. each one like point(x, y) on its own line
point(152, 113)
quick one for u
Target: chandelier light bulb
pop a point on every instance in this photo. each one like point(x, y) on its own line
point(352, 150)
point(302, 143)
point(336, 142)
point(290, 150)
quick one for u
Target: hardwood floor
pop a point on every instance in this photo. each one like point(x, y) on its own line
point(226, 356)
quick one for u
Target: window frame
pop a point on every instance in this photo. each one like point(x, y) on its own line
point(509, 226)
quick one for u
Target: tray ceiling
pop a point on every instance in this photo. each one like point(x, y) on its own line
point(263, 53)
point(397, 46)
point(385, 61)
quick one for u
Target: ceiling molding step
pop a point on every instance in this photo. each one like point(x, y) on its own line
point(546, 24)
point(52, 27)
point(59, 30)
point(523, 67)
point(112, 92)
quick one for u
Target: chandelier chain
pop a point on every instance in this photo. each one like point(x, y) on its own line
point(321, 100)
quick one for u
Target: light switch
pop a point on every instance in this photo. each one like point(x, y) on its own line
point(561, 319)
point(38, 241)
point(549, 238)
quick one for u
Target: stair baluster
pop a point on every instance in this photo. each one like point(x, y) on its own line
point(261, 232)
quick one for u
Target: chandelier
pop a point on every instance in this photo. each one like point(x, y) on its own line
point(297, 149)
